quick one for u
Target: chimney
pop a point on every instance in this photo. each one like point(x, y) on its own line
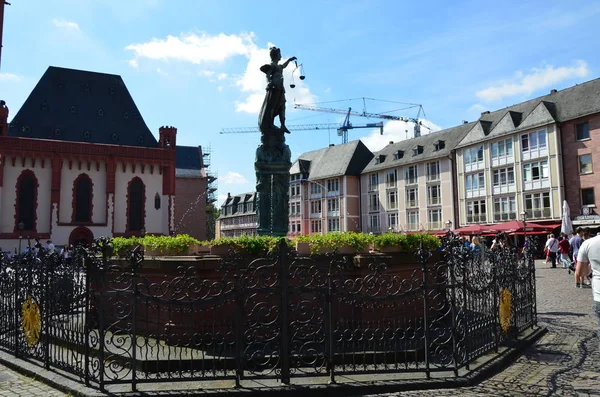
point(485, 112)
point(391, 142)
point(331, 145)
point(465, 122)
point(228, 195)
point(553, 91)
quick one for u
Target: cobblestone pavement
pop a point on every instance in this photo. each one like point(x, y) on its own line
point(565, 362)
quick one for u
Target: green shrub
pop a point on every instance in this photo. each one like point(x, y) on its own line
point(407, 242)
point(251, 245)
point(336, 240)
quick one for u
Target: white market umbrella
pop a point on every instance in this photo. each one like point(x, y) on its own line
point(566, 226)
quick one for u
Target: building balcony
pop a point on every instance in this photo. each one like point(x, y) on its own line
point(373, 208)
point(476, 192)
point(390, 185)
point(333, 214)
point(504, 160)
point(392, 207)
point(434, 201)
point(413, 227)
point(480, 165)
point(534, 154)
point(435, 226)
point(481, 218)
point(315, 215)
point(412, 203)
point(538, 184)
point(540, 213)
point(504, 189)
point(504, 216)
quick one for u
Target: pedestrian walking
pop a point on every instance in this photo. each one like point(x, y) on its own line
point(588, 266)
point(552, 247)
point(564, 250)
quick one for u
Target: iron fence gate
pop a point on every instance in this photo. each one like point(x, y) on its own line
point(279, 317)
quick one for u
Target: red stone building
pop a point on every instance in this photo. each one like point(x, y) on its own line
point(77, 162)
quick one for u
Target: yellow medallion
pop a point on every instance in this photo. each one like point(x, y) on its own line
point(32, 322)
point(505, 309)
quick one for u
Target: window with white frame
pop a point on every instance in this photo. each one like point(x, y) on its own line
point(333, 224)
point(333, 205)
point(504, 176)
point(535, 171)
point(315, 207)
point(433, 171)
point(434, 195)
point(392, 200)
point(316, 226)
point(476, 211)
point(373, 181)
point(295, 190)
point(294, 208)
point(473, 155)
point(505, 208)
point(434, 219)
point(295, 177)
point(502, 149)
point(390, 178)
point(411, 174)
point(475, 181)
point(412, 197)
point(333, 185)
point(374, 202)
point(374, 223)
point(533, 141)
point(392, 220)
point(315, 188)
point(537, 205)
point(412, 220)
point(295, 227)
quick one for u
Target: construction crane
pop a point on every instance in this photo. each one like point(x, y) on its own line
point(343, 130)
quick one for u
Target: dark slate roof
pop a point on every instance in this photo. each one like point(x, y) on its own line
point(450, 136)
point(335, 160)
point(81, 106)
point(188, 157)
point(564, 105)
point(239, 199)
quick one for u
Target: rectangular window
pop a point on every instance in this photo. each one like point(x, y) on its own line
point(373, 181)
point(434, 195)
point(374, 223)
point(390, 178)
point(295, 190)
point(537, 205)
point(315, 188)
point(533, 141)
point(475, 181)
point(473, 155)
point(585, 164)
point(411, 174)
point(504, 176)
point(333, 225)
point(412, 198)
point(587, 196)
point(502, 149)
point(433, 171)
point(374, 202)
point(392, 200)
point(434, 219)
point(535, 171)
point(412, 220)
point(505, 208)
point(315, 226)
point(333, 185)
point(583, 131)
point(476, 211)
point(333, 205)
point(393, 221)
point(315, 207)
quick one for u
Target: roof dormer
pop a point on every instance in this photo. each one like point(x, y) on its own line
point(379, 159)
point(398, 154)
point(439, 145)
point(417, 150)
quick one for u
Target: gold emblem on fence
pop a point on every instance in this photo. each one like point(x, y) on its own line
point(32, 322)
point(505, 309)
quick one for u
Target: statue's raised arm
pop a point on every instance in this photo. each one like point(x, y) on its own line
point(274, 103)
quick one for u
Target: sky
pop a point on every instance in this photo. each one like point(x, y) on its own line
point(194, 64)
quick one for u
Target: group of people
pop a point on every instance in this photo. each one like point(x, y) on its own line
point(563, 251)
point(38, 248)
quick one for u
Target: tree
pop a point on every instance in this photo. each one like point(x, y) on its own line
point(212, 213)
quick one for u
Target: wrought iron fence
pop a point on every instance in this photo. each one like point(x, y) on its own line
point(280, 316)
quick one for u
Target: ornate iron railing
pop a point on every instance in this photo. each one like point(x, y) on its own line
point(280, 316)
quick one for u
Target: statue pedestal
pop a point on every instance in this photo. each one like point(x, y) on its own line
point(272, 166)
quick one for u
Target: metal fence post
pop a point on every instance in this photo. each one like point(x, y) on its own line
point(86, 325)
point(239, 331)
point(423, 256)
point(16, 305)
point(136, 260)
point(47, 272)
point(283, 280)
point(329, 325)
point(495, 291)
point(453, 308)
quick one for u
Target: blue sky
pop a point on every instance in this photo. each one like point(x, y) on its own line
point(194, 64)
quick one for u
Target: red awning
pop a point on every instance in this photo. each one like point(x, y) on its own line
point(474, 229)
point(521, 227)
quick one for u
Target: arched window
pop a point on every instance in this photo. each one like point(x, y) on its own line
point(157, 201)
point(136, 204)
point(82, 199)
point(27, 187)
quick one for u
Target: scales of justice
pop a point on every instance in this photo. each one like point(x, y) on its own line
point(273, 157)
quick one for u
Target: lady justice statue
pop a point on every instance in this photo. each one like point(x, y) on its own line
point(273, 156)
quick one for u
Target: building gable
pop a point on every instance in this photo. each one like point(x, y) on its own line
point(540, 115)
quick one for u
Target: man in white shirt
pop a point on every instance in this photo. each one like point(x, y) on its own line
point(49, 247)
point(552, 246)
point(588, 265)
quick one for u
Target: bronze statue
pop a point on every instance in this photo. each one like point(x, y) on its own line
point(273, 156)
point(274, 103)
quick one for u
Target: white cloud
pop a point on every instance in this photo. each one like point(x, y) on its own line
point(221, 198)
point(67, 25)
point(233, 178)
point(162, 72)
point(193, 48)
point(396, 131)
point(538, 78)
point(214, 51)
point(9, 77)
